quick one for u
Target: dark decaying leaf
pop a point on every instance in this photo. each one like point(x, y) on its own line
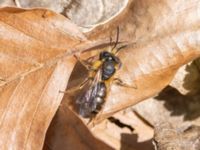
point(68, 132)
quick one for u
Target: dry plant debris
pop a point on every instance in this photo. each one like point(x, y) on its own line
point(37, 48)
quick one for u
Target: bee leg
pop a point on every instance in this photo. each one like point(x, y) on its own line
point(118, 62)
point(121, 83)
point(79, 87)
point(83, 62)
point(90, 122)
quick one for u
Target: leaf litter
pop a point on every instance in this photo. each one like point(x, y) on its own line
point(167, 41)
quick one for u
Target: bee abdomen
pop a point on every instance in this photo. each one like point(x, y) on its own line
point(99, 100)
point(101, 90)
point(100, 95)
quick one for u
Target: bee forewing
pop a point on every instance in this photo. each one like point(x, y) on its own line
point(86, 102)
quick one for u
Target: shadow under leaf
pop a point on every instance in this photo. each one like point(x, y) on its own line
point(129, 142)
point(180, 104)
point(192, 78)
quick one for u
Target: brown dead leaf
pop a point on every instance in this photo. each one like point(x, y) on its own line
point(34, 45)
point(167, 137)
point(178, 103)
point(68, 132)
point(126, 131)
point(161, 36)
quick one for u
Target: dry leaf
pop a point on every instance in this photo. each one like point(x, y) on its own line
point(178, 103)
point(126, 131)
point(167, 137)
point(161, 37)
point(102, 10)
point(57, 6)
point(33, 68)
point(68, 132)
point(4, 3)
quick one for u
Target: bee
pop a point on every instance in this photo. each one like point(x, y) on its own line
point(100, 77)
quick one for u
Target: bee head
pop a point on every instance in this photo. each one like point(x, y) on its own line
point(106, 56)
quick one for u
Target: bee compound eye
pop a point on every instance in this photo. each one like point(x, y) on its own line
point(102, 55)
point(105, 55)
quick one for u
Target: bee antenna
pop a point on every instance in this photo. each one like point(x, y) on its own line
point(123, 46)
point(117, 38)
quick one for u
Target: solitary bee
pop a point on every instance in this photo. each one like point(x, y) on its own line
point(100, 76)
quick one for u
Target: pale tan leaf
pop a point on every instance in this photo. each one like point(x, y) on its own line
point(161, 37)
point(34, 67)
point(125, 130)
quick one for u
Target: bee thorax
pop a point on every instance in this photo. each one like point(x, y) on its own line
point(108, 69)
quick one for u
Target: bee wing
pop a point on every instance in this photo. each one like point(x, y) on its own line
point(86, 102)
